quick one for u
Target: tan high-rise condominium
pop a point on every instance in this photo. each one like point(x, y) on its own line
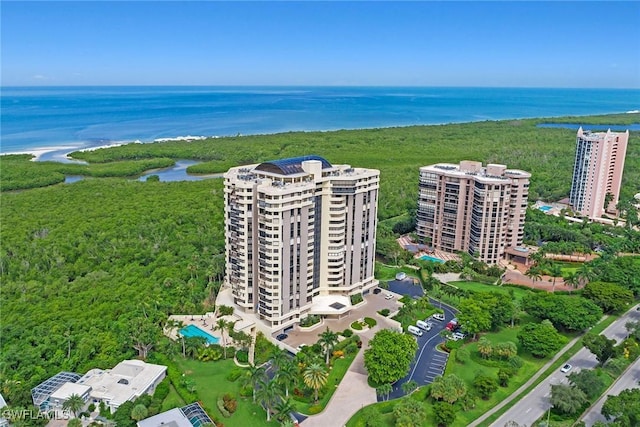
point(597, 172)
point(300, 237)
point(471, 208)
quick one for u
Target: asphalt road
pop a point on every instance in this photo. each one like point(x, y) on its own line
point(630, 379)
point(534, 405)
point(429, 362)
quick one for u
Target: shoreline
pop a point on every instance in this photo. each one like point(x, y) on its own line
point(64, 150)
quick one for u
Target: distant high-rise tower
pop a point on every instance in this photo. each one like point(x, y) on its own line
point(300, 237)
point(597, 172)
point(473, 209)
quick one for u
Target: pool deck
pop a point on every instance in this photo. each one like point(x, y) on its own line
point(206, 322)
point(405, 241)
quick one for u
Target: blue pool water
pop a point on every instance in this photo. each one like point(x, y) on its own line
point(193, 331)
point(545, 208)
point(431, 258)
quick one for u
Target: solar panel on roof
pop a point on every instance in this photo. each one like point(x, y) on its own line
point(290, 166)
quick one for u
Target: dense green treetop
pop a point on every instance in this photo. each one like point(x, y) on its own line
point(81, 265)
point(389, 356)
point(565, 312)
point(541, 339)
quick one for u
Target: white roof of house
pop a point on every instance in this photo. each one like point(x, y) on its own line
point(67, 389)
point(172, 418)
point(126, 381)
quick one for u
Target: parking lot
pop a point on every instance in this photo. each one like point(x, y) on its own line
point(429, 361)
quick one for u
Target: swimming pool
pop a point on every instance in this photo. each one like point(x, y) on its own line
point(193, 331)
point(545, 208)
point(432, 259)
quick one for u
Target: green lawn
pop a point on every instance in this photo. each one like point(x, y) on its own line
point(518, 293)
point(173, 400)
point(604, 323)
point(339, 368)
point(388, 272)
point(211, 383)
point(468, 372)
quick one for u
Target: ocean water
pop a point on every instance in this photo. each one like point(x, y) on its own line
point(68, 118)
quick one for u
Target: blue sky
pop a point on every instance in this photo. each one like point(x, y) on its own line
point(522, 44)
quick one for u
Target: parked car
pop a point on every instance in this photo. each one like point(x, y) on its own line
point(426, 326)
point(415, 330)
point(438, 316)
point(377, 291)
point(458, 336)
point(388, 296)
point(453, 324)
point(566, 368)
point(282, 337)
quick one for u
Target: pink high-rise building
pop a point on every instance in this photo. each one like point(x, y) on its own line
point(471, 208)
point(597, 171)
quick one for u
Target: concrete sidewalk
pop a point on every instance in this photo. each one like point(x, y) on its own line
point(353, 393)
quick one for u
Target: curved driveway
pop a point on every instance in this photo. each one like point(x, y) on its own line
point(429, 361)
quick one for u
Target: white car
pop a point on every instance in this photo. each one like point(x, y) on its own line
point(458, 336)
point(566, 368)
point(388, 296)
point(438, 316)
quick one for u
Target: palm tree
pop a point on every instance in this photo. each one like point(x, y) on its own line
point(74, 403)
point(193, 345)
point(572, 279)
point(409, 386)
point(287, 375)
point(585, 274)
point(283, 409)
point(221, 325)
point(328, 339)
point(384, 390)
point(533, 273)
point(315, 377)
point(485, 348)
point(555, 271)
point(255, 375)
point(268, 395)
point(278, 357)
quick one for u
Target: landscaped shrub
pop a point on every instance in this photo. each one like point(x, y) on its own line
point(347, 333)
point(351, 348)
point(92, 407)
point(309, 321)
point(338, 353)
point(356, 325)
point(234, 374)
point(462, 355)
point(384, 312)
point(162, 391)
point(230, 403)
point(242, 356)
point(371, 322)
point(222, 409)
point(356, 299)
point(315, 409)
point(516, 362)
point(246, 391)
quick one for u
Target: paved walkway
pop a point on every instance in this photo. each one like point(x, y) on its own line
point(353, 392)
